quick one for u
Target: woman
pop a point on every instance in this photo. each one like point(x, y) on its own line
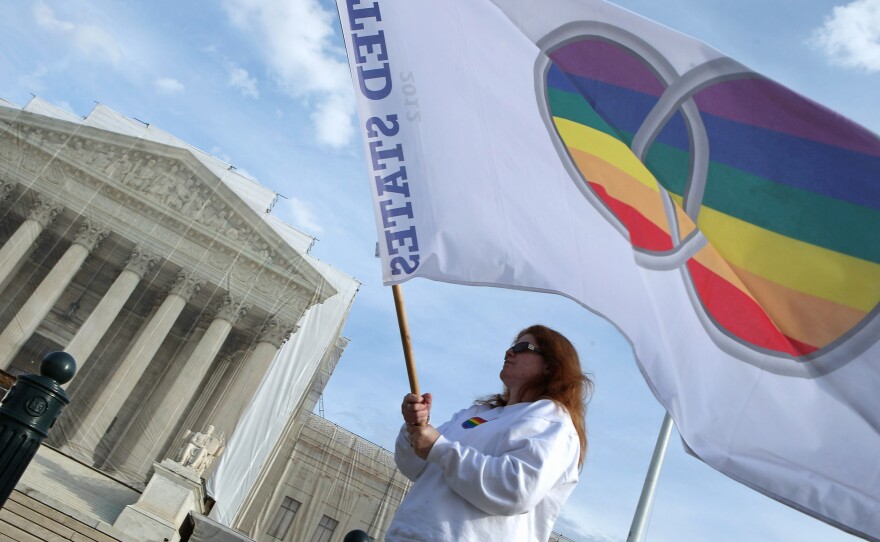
point(503, 468)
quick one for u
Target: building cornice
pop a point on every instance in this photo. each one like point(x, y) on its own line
point(167, 199)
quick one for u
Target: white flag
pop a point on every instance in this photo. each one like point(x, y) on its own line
point(726, 225)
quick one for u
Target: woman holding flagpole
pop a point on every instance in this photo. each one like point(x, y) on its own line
point(502, 468)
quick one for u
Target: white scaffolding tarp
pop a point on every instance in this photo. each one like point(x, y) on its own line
point(42, 107)
point(281, 391)
point(302, 242)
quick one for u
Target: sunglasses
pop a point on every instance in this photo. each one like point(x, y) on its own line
point(523, 346)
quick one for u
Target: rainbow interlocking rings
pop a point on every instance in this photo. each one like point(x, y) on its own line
point(767, 203)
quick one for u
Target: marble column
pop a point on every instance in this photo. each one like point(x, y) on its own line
point(47, 293)
point(96, 325)
point(147, 443)
point(239, 394)
point(120, 448)
point(17, 249)
point(211, 393)
point(110, 399)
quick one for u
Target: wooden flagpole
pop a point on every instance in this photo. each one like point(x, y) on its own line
point(405, 340)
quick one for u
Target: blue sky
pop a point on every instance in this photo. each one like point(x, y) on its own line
point(263, 84)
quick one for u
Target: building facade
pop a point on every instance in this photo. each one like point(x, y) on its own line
point(165, 275)
point(159, 276)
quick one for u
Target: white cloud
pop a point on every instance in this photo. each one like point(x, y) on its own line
point(167, 85)
point(46, 18)
point(34, 81)
point(304, 217)
point(850, 36)
point(240, 79)
point(95, 41)
point(297, 38)
point(91, 40)
point(332, 120)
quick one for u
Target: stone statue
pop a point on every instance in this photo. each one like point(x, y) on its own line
point(201, 449)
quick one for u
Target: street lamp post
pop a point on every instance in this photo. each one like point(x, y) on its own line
point(27, 412)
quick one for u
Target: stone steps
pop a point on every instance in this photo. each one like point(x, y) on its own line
point(25, 519)
point(74, 488)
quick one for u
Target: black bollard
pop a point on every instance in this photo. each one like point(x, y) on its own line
point(27, 413)
point(357, 535)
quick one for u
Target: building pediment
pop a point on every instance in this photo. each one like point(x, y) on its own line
point(181, 208)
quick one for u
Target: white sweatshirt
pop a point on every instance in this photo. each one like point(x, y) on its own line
point(494, 474)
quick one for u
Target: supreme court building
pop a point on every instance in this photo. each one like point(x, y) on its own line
point(190, 309)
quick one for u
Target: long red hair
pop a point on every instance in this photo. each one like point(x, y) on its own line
point(565, 383)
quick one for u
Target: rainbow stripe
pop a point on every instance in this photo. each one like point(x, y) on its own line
point(791, 205)
point(473, 422)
